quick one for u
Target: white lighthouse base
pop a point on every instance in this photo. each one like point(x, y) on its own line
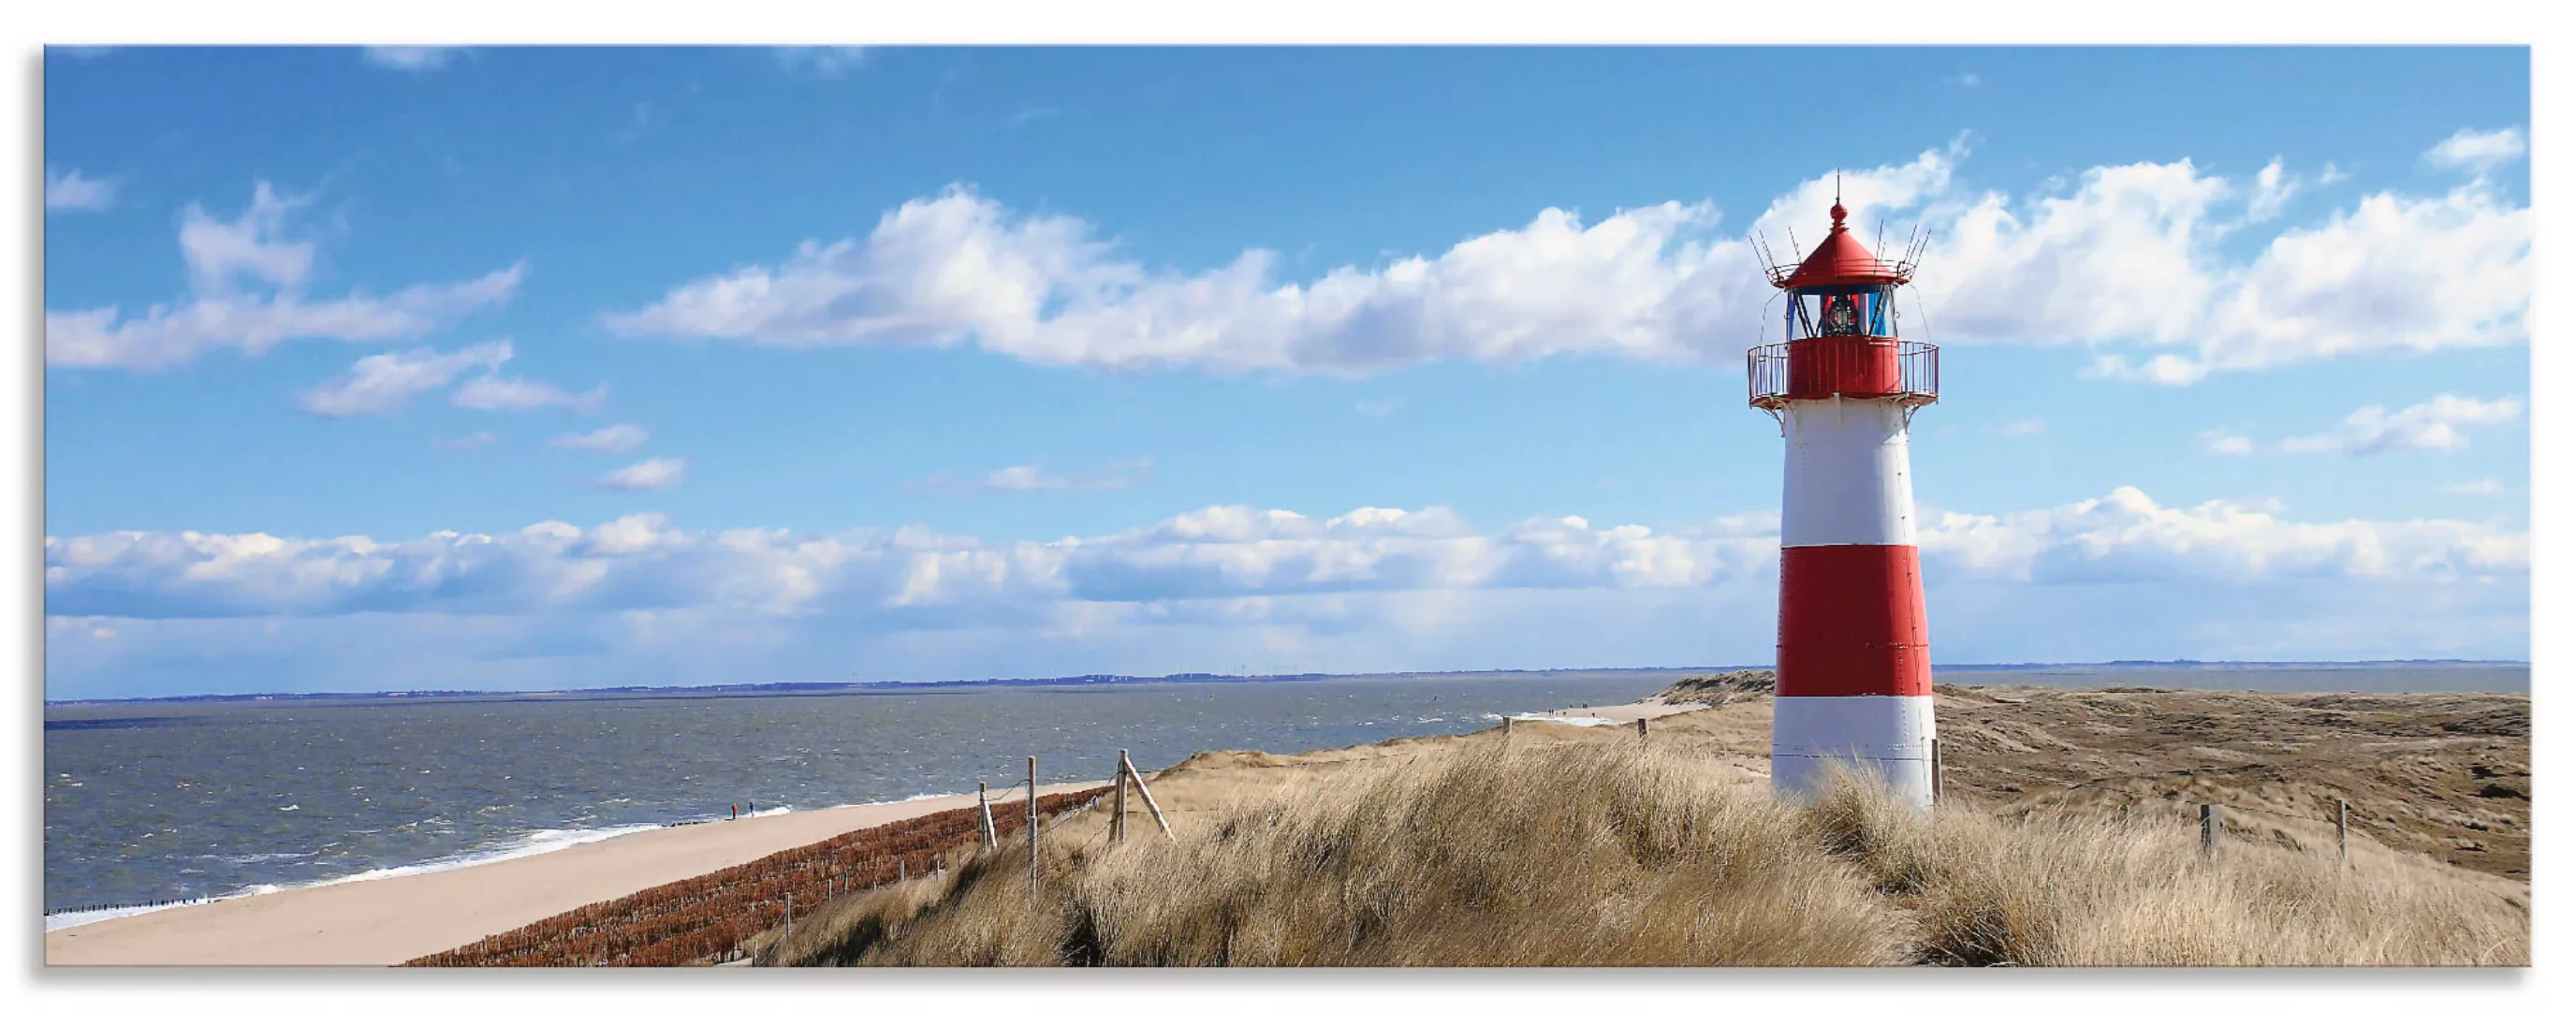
point(1888, 736)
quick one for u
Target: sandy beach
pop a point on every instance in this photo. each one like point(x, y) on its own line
point(391, 920)
point(1629, 713)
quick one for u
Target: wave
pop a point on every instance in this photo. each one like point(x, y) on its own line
point(530, 844)
point(58, 921)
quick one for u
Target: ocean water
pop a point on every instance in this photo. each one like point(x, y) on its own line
point(155, 802)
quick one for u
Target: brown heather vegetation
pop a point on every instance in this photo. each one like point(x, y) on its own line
point(1579, 848)
point(703, 917)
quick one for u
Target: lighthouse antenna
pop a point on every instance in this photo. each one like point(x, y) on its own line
point(1793, 245)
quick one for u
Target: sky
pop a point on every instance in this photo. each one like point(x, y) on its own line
point(401, 368)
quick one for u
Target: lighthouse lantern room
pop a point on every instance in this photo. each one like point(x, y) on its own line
point(1855, 665)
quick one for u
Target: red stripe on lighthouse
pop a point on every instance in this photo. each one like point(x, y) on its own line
point(1851, 621)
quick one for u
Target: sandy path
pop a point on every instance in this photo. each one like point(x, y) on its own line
point(392, 920)
point(1632, 712)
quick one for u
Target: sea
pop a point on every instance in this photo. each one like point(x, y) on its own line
point(149, 803)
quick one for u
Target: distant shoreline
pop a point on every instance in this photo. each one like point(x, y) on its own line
point(2111, 667)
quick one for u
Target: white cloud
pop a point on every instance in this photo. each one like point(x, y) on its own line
point(2129, 257)
point(379, 383)
point(820, 61)
point(2126, 536)
point(2434, 425)
point(2218, 442)
point(2026, 426)
point(617, 438)
point(2478, 151)
point(2273, 188)
point(218, 251)
point(412, 58)
point(510, 393)
point(2126, 258)
point(247, 292)
point(1965, 79)
point(1035, 478)
point(648, 475)
point(2481, 487)
point(1223, 563)
point(71, 191)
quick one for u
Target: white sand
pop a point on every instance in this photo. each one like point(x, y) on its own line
point(1629, 713)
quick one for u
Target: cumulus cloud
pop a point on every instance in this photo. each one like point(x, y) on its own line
point(820, 61)
point(2432, 425)
point(71, 191)
point(2125, 258)
point(511, 393)
point(647, 475)
point(1034, 478)
point(247, 278)
point(412, 58)
point(2129, 258)
point(1223, 563)
point(2477, 150)
point(379, 383)
point(2127, 536)
point(619, 438)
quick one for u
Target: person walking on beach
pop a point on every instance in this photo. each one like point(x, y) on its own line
point(737, 813)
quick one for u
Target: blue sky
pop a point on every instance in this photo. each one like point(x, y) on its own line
point(993, 362)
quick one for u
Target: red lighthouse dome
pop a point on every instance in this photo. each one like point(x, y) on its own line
point(1842, 260)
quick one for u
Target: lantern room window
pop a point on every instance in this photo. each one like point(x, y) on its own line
point(1842, 311)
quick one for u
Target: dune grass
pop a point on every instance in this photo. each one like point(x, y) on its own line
point(1489, 854)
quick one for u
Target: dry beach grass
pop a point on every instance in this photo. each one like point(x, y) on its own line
point(1584, 849)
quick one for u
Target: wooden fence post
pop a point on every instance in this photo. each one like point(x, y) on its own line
point(1936, 770)
point(1507, 728)
point(1150, 807)
point(1118, 815)
point(2343, 833)
point(1033, 828)
point(1641, 730)
point(984, 820)
point(2212, 818)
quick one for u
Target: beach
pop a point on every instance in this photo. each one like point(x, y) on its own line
point(386, 921)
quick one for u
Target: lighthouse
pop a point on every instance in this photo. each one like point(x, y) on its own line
point(1855, 664)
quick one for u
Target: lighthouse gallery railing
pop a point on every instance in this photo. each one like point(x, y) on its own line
point(1909, 372)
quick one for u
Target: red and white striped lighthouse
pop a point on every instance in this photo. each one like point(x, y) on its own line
point(1855, 664)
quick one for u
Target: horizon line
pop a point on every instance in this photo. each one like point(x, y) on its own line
point(1080, 679)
